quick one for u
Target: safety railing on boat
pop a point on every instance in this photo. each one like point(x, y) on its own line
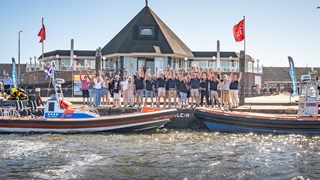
point(9, 112)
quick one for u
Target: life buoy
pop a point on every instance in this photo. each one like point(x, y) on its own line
point(65, 104)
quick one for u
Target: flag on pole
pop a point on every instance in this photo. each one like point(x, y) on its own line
point(42, 33)
point(14, 76)
point(238, 31)
point(293, 77)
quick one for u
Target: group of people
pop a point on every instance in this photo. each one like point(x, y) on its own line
point(173, 88)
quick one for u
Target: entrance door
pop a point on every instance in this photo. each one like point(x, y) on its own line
point(150, 64)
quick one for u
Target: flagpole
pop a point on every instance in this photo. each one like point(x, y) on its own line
point(244, 32)
point(42, 44)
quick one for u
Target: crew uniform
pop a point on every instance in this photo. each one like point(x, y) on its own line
point(204, 91)
point(183, 88)
point(172, 91)
point(234, 86)
point(149, 88)
point(139, 86)
point(214, 92)
point(194, 83)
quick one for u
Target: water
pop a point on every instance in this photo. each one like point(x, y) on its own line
point(161, 155)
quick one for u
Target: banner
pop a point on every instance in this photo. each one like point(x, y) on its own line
point(77, 85)
point(14, 76)
point(293, 77)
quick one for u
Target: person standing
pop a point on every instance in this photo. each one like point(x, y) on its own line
point(97, 90)
point(106, 91)
point(183, 89)
point(7, 82)
point(84, 87)
point(225, 87)
point(194, 92)
point(172, 89)
point(161, 82)
point(139, 82)
point(149, 90)
point(234, 89)
point(124, 89)
point(116, 91)
point(204, 89)
point(92, 98)
point(131, 89)
point(214, 96)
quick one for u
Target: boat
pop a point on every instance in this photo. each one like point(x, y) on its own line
point(59, 116)
point(307, 120)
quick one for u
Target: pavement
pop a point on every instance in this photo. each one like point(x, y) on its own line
point(278, 104)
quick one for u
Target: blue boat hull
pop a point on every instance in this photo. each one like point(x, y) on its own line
point(226, 122)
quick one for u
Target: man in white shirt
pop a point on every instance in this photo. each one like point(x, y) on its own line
point(124, 88)
point(97, 90)
point(7, 81)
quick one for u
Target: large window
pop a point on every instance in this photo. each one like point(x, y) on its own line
point(161, 63)
point(202, 64)
point(129, 65)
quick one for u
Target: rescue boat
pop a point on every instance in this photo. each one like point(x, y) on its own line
point(307, 121)
point(59, 116)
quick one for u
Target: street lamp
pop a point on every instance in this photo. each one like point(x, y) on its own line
point(58, 63)
point(75, 62)
point(231, 63)
point(30, 58)
point(19, 70)
point(35, 61)
point(186, 63)
point(104, 62)
point(213, 60)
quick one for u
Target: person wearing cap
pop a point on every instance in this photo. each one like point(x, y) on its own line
point(7, 82)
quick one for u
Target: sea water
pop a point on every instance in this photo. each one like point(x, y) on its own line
point(166, 154)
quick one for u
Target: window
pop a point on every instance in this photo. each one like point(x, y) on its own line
point(146, 31)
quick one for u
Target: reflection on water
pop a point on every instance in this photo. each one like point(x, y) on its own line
point(162, 155)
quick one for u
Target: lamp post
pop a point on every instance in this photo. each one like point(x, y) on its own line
point(186, 63)
point(58, 63)
point(30, 58)
point(214, 58)
point(258, 66)
point(75, 62)
point(35, 61)
point(104, 63)
point(19, 70)
point(231, 63)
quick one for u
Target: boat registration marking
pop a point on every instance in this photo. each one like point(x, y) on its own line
point(226, 114)
point(300, 119)
point(248, 117)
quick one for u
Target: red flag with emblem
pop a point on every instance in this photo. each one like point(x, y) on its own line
point(42, 33)
point(238, 31)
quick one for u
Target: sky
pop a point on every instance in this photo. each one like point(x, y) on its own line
point(274, 29)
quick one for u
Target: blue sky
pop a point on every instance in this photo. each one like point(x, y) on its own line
point(274, 29)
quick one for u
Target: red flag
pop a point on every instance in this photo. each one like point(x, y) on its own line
point(42, 33)
point(238, 31)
